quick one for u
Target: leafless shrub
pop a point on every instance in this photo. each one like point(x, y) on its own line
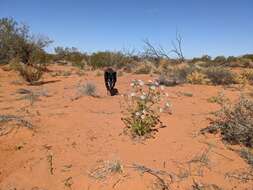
point(235, 122)
point(161, 53)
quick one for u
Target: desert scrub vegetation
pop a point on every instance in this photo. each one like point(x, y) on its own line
point(17, 42)
point(197, 78)
point(105, 59)
point(143, 69)
point(30, 74)
point(219, 75)
point(248, 74)
point(65, 55)
point(88, 89)
point(142, 107)
point(234, 122)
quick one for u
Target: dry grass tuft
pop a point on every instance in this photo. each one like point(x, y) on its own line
point(106, 168)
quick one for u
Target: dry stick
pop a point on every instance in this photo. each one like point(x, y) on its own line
point(7, 118)
point(222, 155)
point(50, 161)
point(114, 185)
point(144, 169)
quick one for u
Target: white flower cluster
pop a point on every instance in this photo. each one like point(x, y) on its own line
point(141, 114)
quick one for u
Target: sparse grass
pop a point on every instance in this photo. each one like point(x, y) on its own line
point(88, 89)
point(32, 96)
point(106, 168)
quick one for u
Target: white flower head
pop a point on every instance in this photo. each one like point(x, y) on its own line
point(137, 114)
point(166, 94)
point(144, 112)
point(133, 94)
point(161, 110)
point(167, 104)
point(162, 87)
point(143, 97)
point(152, 87)
point(132, 84)
point(142, 116)
point(141, 83)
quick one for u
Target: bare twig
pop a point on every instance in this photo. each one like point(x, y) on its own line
point(9, 118)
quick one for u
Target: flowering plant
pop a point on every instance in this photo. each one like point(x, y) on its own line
point(142, 113)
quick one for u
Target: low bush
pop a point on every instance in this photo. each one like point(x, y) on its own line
point(105, 59)
point(143, 69)
point(219, 75)
point(197, 78)
point(88, 89)
point(234, 122)
point(248, 74)
point(30, 74)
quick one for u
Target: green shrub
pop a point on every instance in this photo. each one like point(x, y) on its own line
point(219, 75)
point(16, 41)
point(72, 55)
point(105, 59)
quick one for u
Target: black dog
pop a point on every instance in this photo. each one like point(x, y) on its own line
point(110, 77)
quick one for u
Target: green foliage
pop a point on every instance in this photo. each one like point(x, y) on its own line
point(72, 55)
point(141, 116)
point(105, 59)
point(17, 42)
point(220, 59)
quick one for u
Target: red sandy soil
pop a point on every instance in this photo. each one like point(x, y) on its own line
point(79, 133)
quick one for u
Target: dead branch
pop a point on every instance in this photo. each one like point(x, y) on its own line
point(9, 118)
point(177, 47)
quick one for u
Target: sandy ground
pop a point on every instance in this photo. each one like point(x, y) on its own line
point(75, 135)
